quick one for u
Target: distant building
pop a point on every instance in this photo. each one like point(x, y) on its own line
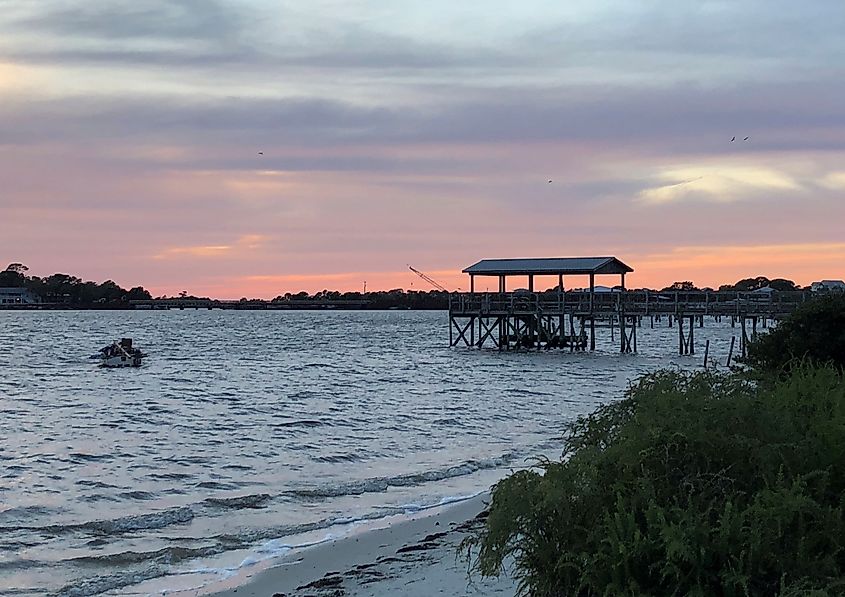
point(17, 296)
point(828, 285)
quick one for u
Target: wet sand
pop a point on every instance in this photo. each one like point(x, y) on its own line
point(416, 558)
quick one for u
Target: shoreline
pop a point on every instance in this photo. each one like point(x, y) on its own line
point(417, 556)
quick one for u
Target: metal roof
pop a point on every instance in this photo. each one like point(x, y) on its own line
point(548, 266)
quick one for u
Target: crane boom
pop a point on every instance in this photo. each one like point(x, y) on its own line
point(429, 280)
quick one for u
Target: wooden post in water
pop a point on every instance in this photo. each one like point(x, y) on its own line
point(621, 299)
point(731, 351)
point(691, 342)
point(561, 294)
point(635, 339)
point(592, 316)
point(706, 352)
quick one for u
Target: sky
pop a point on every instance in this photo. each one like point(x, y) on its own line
point(257, 147)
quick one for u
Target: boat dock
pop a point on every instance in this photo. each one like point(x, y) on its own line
point(568, 319)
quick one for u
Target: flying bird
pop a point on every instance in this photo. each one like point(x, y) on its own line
point(746, 139)
point(733, 139)
point(260, 153)
point(550, 182)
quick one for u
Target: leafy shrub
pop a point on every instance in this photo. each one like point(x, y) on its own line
point(815, 331)
point(693, 484)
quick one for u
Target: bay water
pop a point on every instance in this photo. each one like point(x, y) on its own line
point(246, 434)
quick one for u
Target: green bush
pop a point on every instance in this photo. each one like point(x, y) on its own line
point(815, 332)
point(693, 484)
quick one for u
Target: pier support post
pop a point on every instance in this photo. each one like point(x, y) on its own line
point(691, 341)
point(592, 315)
point(731, 351)
point(624, 347)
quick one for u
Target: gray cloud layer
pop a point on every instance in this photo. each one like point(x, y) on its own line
point(682, 118)
point(663, 37)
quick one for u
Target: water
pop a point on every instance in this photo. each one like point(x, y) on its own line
point(247, 433)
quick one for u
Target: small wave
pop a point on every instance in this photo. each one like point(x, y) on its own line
point(21, 564)
point(335, 458)
point(97, 497)
point(138, 495)
point(97, 484)
point(140, 522)
point(111, 582)
point(19, 512)
point(170, 476)
point(449, 422)
point(216, 485)
point(446, 501)
point(166, 555)
point(85, 457)
point(236, 467)
point(240, 502)
point(303, 423)
point(380, 484)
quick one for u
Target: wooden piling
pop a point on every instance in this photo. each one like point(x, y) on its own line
point(731, 351)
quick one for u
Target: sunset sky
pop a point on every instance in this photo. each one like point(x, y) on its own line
point(400, 132)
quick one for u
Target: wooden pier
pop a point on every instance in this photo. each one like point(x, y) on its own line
point(568, 319)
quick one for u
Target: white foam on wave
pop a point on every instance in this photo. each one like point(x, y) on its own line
point(269, 552)
point(446, 501)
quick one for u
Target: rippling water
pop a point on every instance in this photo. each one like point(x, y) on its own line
point(245, 433)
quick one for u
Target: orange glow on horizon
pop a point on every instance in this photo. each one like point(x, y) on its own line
point(705, 266)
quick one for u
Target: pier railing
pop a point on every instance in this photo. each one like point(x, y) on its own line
point(773, 304)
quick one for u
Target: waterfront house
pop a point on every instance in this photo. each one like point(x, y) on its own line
point(828, 285)
point(17, 296)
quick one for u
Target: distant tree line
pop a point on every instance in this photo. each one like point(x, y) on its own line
point(744, 285)
point(70, 290)
point(397, 298)
point(73, 291)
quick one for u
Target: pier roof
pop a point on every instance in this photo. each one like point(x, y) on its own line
point(548, 266)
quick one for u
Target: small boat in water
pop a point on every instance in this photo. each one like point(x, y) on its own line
point(120, 354)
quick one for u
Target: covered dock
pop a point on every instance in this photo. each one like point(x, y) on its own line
point(545, 314)
point(518, 324)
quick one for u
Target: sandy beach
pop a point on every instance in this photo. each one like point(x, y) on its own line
point(417, 557)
